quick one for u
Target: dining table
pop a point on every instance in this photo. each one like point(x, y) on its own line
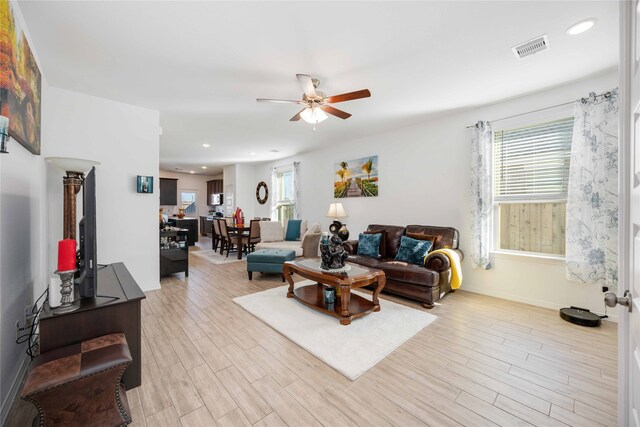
point(239, 231)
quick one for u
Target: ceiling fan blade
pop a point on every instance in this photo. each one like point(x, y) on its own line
point(297, 116)
point(364, 93)
point(335, 112)
point(307, 85)
point(281, 101)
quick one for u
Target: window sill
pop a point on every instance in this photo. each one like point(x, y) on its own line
point(528, 257)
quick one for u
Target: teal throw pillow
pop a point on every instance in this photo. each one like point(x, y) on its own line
point(369, 244)
point(413, 251)
point(293, 230)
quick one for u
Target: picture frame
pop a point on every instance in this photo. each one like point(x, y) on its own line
point(356, 178)
point(144, 184)
point(20, 82)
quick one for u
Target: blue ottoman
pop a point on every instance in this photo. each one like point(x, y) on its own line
point(268, 261)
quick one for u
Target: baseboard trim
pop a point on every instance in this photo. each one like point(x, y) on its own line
point(13, 391)
point(153, 287)
point(613, 317)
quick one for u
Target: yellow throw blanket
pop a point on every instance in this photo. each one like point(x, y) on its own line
point(456, 268)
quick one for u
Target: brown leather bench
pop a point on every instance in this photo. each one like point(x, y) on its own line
point(79, 385)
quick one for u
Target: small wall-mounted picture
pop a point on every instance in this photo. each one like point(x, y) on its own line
point(356, 178)
point(145, 184)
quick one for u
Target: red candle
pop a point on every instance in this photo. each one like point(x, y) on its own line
point(66, 255)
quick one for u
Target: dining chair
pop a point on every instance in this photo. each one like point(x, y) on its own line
point(215, 234)
point(228, 238)
point(254, 235)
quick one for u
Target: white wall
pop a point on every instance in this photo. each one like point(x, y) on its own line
point(125, 140)
point(424, 179)
point(22, 248)
point(22, 255)
point(190, 182)
point(229, 178)
point(246, 189)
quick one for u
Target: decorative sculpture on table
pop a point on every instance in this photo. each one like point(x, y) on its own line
point(238, 217)
point(332, 253)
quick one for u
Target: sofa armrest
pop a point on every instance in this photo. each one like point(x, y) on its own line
point(310, 245)
point(351, 246)
point(439, 262)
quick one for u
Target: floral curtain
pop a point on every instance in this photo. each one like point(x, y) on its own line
point(592, 199)
point(274, 199)
point(481, 195)
point(296, 189)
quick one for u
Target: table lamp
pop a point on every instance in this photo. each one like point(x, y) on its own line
point(336, 210)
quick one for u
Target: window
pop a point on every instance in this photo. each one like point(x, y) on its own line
point(284, 194)
point(188, 201)
point(531, 174)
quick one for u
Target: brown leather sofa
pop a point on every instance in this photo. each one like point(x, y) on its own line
point(427, 283)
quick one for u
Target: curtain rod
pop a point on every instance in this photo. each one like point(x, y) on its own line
point(592, 96)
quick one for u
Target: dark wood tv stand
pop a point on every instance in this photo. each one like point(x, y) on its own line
point(116, 309)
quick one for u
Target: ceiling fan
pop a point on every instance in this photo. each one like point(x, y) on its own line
point(316, 104)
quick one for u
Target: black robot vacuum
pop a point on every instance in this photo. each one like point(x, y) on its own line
point(580, 316)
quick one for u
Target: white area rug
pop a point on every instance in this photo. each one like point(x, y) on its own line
point(215, 257)
point(350, 350)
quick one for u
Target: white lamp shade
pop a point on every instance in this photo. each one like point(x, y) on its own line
point(336, 211)
point(70, 164)
point(313, 115)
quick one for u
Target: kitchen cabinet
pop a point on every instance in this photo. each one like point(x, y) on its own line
point(205, 226)
point(168, 192)
point(214, 186)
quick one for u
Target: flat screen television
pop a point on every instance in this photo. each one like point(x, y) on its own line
point(87, 280)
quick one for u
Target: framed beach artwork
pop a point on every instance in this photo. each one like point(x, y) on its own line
point(356, 178)
point(20, 81)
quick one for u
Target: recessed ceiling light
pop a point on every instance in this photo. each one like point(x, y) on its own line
point(204, 167)
point(252, 153)
point(206, 145)
point(191, 172)
point(582, 26)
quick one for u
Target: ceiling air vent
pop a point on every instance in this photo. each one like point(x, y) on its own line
point(532, 46)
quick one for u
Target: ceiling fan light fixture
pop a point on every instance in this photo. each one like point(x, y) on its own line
point(313, 115)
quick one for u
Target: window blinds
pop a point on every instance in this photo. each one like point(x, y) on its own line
point(532, 163)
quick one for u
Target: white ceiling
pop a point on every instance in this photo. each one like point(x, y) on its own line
point(202, 64)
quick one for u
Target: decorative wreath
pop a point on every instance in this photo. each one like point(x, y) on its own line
point(262, 200)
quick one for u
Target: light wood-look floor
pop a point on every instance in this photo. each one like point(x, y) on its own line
point(484, 361)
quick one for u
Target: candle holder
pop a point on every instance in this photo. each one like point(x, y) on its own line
point(66, 290)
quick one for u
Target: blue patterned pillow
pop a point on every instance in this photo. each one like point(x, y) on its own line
point(413, 250)
point(369, 244)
